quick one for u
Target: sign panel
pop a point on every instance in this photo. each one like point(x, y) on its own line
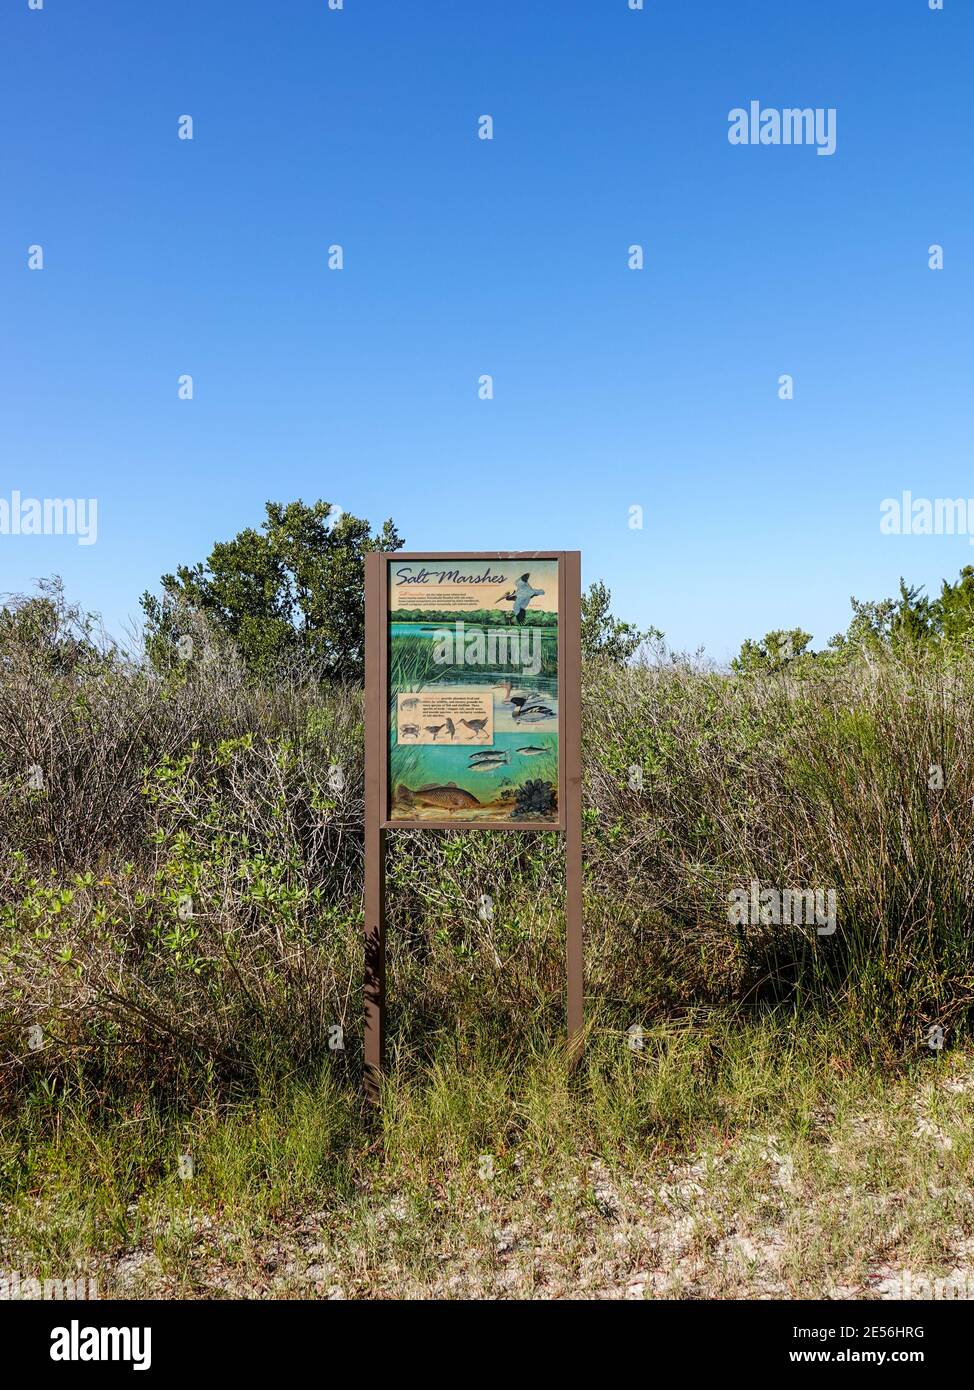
point(474, 691)
point(473, 716)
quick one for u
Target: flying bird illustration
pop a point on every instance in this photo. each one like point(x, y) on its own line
point(521, 596)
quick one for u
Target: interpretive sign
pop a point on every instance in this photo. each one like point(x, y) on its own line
point(474, 703)
point(473, 713)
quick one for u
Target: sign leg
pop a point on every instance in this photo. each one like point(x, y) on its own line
point(573, 924)
point(573, 802)
point(374, 894)
point(375, 955)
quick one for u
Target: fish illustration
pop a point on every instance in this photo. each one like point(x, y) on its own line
point(448, 798)
point(531, 750)
point(489, 756)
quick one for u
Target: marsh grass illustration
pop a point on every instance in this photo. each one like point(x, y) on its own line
point(412, 665)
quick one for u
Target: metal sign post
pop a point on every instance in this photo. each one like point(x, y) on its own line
point(472, 721)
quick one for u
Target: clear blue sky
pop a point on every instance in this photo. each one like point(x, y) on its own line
point(462, 257)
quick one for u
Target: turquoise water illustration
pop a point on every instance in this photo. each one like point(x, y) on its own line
point(417, 766)
point(465, 775)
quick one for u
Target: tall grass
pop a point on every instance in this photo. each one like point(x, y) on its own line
point(200, 787)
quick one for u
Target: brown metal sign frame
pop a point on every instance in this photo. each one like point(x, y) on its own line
point(378, 823)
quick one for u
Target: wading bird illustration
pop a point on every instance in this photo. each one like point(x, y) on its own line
point(476, 726)
point(434, 729)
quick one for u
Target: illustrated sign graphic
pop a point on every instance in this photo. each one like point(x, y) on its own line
point(473, 713)
point(473, 691)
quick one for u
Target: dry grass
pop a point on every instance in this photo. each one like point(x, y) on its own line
point(750, 1162)
point(783, 1131)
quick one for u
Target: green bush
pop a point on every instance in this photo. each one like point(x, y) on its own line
point(180, 900)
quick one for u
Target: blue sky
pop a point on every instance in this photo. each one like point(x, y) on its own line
point(464, 257)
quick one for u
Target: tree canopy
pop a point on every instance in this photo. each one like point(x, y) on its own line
point(910, 622)
point(605, 636)
point(47, 630)
point(293, 588)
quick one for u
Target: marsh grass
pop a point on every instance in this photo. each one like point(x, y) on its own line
point(738, 1158)
point(209, 1033)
